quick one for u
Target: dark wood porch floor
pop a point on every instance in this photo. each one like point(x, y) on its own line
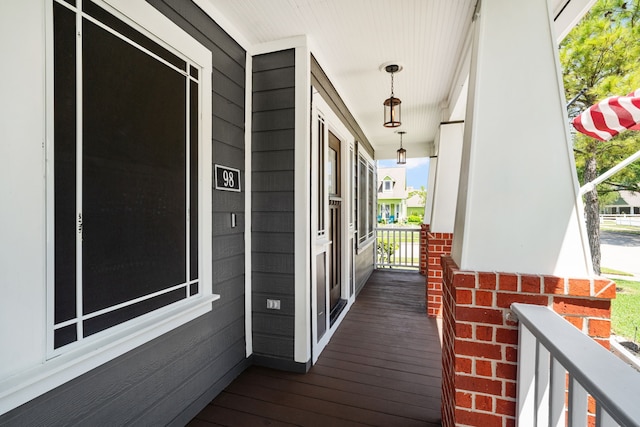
point(381, 368)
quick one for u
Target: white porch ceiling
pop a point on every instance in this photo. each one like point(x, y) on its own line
point(353, 38)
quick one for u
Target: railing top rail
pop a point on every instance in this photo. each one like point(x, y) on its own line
point(614, 384)
point(398, 227)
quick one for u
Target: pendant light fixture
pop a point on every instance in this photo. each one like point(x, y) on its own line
point(392, 104)
point(402, 153)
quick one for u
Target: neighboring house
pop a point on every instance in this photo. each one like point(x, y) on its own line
point(415, 204)
point(627, 203)
point(392, 195)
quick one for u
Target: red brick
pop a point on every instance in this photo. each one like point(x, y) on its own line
point(475, 419)
point(579, 287)
point(591, 405)
point(505, 300)
point(479, 315)
point(487, 281)
point(530, 284)
point(484, 298)
point(575, 321)
point(508, 282)
point(582, 307)
point(506, 371)
point(463, 365)
point(604, 288)
point(463, 400)
point(480, 385)
point(464, 296)
point(506, 407)
point(483, 403)
point(464, 330)
point(510, 389)
point(484, 333)
point(599, 328)
point(464, 280)
point(478, 349)
point(511, 354)
point(510, 422)
point(507, 336)
point(484, 368)
point(553, 285)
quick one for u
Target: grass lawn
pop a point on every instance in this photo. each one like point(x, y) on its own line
point(625, 310)
point(620, 228)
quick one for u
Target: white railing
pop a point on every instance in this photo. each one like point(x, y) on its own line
point(549, 349)
point(398, 247)
point(620, 219)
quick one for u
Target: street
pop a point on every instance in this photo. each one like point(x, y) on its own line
point(620, 251)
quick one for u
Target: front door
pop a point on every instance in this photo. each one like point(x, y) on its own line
point(335, 214)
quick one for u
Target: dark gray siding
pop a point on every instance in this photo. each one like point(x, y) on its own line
point(272, 147)
point(364, 261)
point(168, 380)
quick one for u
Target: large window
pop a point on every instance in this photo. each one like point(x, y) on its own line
point(127, 172)
point(366, 187)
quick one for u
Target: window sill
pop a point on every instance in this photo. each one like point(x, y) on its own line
point(54, 372)
point(365, 245)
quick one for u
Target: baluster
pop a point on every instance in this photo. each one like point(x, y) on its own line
point(526, 376)
point(557, 394)
point(543, 370)
point(577, 404)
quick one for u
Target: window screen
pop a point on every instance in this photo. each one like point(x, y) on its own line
point(126, 194)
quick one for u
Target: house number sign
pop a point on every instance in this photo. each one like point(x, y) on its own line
point(227, 179)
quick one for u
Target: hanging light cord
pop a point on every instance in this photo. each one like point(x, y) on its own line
point(392, 84)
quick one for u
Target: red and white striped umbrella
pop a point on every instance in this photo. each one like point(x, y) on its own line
point(610, 116)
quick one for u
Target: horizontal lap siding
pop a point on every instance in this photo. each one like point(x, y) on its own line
point(168, 380)
point(364, 266)
point(273, 140)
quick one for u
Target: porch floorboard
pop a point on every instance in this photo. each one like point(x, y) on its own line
point(381, 368)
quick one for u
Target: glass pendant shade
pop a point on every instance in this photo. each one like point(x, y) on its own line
point(392, 112)
point(402, 153)
point(402, 156)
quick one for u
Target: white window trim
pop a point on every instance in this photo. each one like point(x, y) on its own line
point(384, 185)
point(38, 378)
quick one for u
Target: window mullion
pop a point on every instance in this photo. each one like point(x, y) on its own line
point(187, 142)
point(79, 139)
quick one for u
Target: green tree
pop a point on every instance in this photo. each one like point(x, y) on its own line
point(600, 59)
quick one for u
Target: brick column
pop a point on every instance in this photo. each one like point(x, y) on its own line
point(480, 338)
point(424, 229)
point(438, 245)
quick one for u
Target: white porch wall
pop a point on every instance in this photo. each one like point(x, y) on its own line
point(518, 206)
point(22, 185)
point(447, 177)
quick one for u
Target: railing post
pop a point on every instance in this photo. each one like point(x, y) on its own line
point(526, 377)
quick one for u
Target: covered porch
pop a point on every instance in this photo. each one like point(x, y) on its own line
point(382, 367)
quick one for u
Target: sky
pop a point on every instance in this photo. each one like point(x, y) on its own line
point(417, 170)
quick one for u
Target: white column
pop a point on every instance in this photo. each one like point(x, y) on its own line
point(431, 182)
point(518, 207)
point(447, 177)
